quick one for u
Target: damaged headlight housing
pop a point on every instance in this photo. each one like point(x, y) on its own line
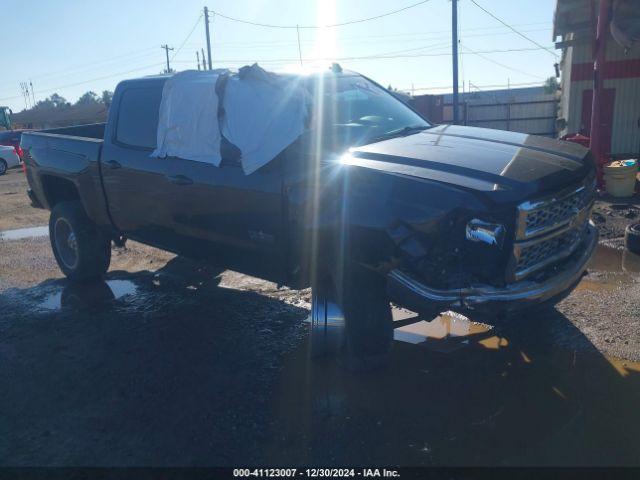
point(485, 232)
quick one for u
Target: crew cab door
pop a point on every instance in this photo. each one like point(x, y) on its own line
point(135, 184)
point(189, 207)
point(236, 219)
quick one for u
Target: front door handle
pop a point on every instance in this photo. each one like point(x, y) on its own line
point(179, 180)
point(113, 165)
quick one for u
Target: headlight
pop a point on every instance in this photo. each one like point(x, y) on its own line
point(489, 233)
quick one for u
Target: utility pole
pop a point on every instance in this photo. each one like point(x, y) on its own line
point(33, 96)
point(599, 56)
point(204, 60)
point(25, 94)
point(198, 58)
point(454, 47)
point(206, 28)
point(166, 50)
point(299, 48)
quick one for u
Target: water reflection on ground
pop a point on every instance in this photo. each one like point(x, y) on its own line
point(459, 393)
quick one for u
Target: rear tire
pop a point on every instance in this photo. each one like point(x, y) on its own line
point(3, 167)
point(81, 250)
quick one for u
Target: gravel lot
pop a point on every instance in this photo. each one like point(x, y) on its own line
point(172, 363)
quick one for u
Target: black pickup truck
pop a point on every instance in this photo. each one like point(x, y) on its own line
point(371, 205)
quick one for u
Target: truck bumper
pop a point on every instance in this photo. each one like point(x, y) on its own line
point(406, 291)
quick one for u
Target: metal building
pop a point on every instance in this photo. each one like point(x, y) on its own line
point(575, 26)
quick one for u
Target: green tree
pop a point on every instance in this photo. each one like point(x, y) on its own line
point(88, 98)
point(107, 97)
point(551, 85)
point(53, 101)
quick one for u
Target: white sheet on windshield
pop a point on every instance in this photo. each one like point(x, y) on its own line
point(264, 114)
point(188, 124)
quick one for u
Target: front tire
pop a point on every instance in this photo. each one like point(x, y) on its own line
point(352, 316)
point(368, 321)
point(3, 167)
point(81, 250)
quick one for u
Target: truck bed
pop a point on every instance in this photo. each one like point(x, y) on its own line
point(59, 157)
point(91, 130)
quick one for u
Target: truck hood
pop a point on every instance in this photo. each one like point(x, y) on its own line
point(479, 159)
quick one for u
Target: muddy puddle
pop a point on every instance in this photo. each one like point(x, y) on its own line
point(22, 233)
point(462, 393)
point(611, 268)
point(89, 295)
point(615, 260)
point(447, 332)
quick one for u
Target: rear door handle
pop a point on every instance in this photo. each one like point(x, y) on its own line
point(179, 180)
point(112, 164)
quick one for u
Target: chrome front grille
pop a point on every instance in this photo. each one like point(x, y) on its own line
point(537, 217)
point(534, 255)
point(550, 229)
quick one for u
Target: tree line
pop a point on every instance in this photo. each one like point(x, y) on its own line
point(55, 101)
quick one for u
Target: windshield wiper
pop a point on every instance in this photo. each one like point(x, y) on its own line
point(400, 132)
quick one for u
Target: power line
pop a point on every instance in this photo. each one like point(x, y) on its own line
point(513, 29)
point(431, 33)
point(134, 55)
point(368, 57)
point(500, 64)
point(61, 87)
point(449, 87)
point(187, 38)
point(351, 22)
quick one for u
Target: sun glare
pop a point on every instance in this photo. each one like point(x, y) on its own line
point(326, 44)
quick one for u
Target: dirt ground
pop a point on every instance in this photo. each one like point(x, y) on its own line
point(612, 215)
point(16, 211)
point(171, 363)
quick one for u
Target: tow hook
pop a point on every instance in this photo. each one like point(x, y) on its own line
point(119, 241)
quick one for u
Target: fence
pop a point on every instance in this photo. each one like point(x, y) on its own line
point(536, 117)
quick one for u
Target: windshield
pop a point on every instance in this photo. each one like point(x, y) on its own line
point(358, 111)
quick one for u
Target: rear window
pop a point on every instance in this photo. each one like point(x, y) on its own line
point(137, 123)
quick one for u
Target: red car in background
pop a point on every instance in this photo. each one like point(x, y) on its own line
point(12, 138)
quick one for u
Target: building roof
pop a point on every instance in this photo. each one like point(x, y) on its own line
point(572, 16)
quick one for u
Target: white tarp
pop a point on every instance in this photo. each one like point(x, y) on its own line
point(188, 124)
point(264, 114)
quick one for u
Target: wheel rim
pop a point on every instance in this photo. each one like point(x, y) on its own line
point(66, 243)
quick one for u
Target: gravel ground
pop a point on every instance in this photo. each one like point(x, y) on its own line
point(172, 363)
point(612, 215)
point(15, 208)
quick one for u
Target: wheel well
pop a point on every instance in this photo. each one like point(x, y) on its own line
point(58, 190)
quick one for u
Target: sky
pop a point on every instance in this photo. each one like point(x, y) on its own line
point(72, 46)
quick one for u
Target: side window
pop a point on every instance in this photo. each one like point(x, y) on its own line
point(137, 123)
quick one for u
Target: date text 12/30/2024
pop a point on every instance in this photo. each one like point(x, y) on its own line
point(315, 473)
